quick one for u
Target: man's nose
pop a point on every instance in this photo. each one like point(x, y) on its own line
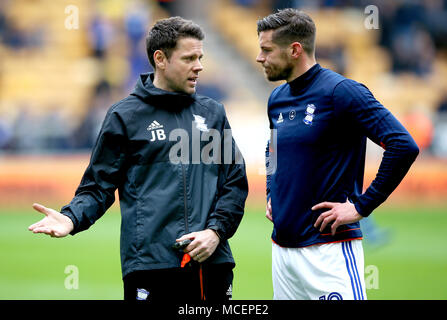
point(198, 66)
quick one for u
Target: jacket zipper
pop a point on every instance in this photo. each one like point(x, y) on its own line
point(185, 199)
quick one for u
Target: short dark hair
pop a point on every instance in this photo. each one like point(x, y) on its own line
point(290, 25)
point(165, 34)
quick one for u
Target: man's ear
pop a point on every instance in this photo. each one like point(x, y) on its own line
point(296, 50)
point(160, 59)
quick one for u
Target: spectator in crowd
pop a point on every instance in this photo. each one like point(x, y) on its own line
point(171, 6)
point(136, 22)
point(435, 20)
point(55, 129)
point(404, 32)
point(5, 134)
point(16, 38)
point(439, 145)
point(26, 122)
point(336, 54)
point(100, 35)
point(85, 135)
point(412, 50)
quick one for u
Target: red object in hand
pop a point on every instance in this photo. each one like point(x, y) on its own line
point(186, 258)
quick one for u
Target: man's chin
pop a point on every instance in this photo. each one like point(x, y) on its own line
point(191, 90)
point(274, 78)
point(187, 90)
point(279, 75)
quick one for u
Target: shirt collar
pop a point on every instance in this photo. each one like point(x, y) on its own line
point(303, 80)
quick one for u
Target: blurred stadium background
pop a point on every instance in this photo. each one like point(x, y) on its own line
point(63, 63)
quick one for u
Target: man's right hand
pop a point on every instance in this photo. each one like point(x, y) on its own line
point(268, 210)
point(54, 224)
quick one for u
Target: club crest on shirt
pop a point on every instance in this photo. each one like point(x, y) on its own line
point(200, 123)
point(142, 294)
point(309, 117)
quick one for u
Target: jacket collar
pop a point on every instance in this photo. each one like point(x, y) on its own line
point(145, 90)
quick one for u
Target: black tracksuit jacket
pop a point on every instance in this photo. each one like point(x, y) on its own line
point(162, 199)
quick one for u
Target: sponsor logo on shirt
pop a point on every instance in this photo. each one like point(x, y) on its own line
point(292, 114)
point(157, 133)
point(280, 118)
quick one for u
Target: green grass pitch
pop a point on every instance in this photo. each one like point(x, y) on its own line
point(412, 265)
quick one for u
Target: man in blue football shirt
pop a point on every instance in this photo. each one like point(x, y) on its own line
point(320, 121)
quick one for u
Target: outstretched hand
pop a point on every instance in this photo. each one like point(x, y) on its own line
point(54, 224)
point(339, 214)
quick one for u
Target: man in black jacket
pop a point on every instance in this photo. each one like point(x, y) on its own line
point(170, 154)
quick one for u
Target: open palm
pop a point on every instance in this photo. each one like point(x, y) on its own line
point(54, 224)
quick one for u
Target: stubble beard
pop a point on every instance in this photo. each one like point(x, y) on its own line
point(281, 74)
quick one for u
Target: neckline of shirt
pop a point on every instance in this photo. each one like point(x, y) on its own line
point(303, 80)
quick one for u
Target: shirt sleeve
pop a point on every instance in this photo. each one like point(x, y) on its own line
point(96, 192)
point(355, 101)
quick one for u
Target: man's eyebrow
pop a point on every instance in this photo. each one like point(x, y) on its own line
point(190, 55)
